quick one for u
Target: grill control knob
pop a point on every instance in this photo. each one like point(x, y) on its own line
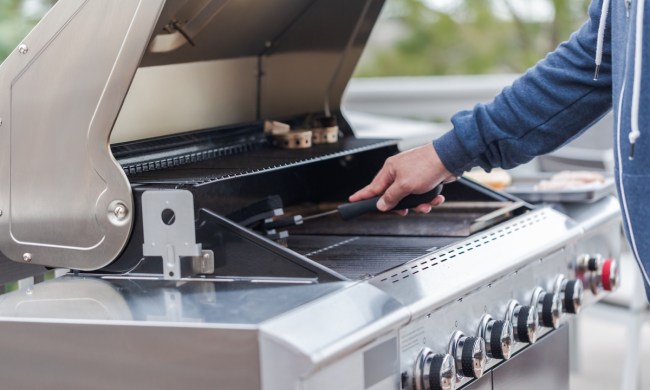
point(469, 355)
point(525, 322)
point(434, 371)
point(571, 292)
point(498, 336)
point(598, 273)
point(610, 275)
point(589, 263)
point(549, 307)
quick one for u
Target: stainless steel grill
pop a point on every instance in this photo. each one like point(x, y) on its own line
point(144, 169)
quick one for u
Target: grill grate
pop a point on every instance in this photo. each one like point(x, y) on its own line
point(357, 257)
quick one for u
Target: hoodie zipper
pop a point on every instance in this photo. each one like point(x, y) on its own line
point(628, 5)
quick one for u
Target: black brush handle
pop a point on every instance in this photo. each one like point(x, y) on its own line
point(356, 209)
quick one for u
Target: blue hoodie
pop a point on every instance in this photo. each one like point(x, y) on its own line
point(560, 97)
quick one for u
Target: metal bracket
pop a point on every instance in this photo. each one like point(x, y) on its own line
point(168, 223)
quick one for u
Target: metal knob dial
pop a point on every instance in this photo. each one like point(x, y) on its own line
point(598, 273)
point(572, 292)
point(610, 275)
point(525, 322)
point(469, 355)
point(434, 371)
point(498, 336)
point(589, 263)
point(549, 308)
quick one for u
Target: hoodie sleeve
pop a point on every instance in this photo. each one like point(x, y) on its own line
point(548, 106)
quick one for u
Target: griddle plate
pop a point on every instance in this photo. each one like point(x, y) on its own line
point(357, 257)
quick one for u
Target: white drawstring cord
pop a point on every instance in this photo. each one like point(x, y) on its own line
point(635, 131)
point(602, 26)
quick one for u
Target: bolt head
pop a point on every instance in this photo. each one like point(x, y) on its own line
point(27, 257)
point(23, 49)
point(120, 212)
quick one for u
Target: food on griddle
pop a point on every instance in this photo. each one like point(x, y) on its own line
point(281, 136)
point(325, 131)
point(497, 178)
point(571, 179)
point(296, 139)
point(276, 128)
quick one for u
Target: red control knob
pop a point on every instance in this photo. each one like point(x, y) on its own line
point(609, 275)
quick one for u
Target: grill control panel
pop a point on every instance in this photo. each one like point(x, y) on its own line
point(493, 323)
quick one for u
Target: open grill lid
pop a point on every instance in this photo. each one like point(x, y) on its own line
point(214, 63)
point(91, 68)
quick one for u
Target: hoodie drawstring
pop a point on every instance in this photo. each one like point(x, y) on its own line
point(635, 131)
point(602, 26)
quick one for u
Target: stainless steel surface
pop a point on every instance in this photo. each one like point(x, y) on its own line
point(508, 247)
point(171, 238)
point(431, 327)
point(524, 187)
point(37, 90)
point(276, 63)
point(541, 368)
point(75, 355)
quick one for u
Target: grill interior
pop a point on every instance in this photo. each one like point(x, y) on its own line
point(233, 169)
point(375, 243)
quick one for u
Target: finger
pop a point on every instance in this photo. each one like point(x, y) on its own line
point(391, 197)
point(377, 187)
point(423, 208)
point(402, 212)
point(438, 200)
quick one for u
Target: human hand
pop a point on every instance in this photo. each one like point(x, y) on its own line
point(414, 171)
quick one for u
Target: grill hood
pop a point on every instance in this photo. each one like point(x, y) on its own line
point(94, 72)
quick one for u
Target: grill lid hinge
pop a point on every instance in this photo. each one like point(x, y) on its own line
point(168, 223)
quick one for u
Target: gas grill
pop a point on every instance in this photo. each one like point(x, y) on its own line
point(156, 236)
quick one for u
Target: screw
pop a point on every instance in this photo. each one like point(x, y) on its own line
point(27, 257)
point(120, 211)
point(23, 49)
